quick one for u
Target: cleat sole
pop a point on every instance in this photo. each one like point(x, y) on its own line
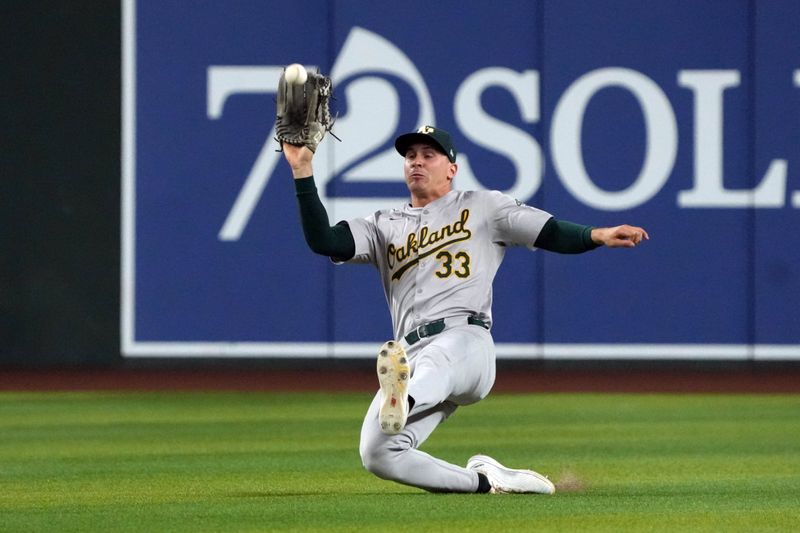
point(393, 376)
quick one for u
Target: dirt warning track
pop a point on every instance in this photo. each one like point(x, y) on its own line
point(362, 378)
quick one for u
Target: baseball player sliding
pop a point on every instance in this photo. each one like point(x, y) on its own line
point(437, 256)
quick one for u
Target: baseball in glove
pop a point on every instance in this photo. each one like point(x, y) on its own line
point(304, 115)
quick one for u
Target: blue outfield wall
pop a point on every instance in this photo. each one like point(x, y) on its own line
point(679, 116)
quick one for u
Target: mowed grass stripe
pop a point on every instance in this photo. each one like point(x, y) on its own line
point(289, 462)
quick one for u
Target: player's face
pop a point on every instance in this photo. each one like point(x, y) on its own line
point(428, 173)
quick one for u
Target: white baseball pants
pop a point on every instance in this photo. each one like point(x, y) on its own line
point(455, 367)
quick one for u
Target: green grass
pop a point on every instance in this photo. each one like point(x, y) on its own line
point(196, 462)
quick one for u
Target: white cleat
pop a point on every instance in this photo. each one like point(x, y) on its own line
point(509, 480)
point(393, 375)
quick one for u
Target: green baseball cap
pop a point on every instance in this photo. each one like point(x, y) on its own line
point(435, 137)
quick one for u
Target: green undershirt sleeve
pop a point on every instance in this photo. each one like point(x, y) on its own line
point(565, 237)
point(334, 241)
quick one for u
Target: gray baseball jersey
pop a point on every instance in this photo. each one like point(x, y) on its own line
point(440, 260)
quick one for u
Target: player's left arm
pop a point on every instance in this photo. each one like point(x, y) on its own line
point(564, 237)
point(623, 236)
point(516, 224)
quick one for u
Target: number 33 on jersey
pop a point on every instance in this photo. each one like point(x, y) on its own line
point(441, 259)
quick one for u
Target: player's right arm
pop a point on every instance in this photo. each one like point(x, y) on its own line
point(299, 159)
point(334, 241)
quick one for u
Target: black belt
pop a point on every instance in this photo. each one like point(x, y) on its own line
point(437, 326)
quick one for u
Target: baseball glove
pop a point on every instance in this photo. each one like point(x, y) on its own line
point(304, 115)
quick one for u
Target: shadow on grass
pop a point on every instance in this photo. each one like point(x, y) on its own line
point(283, 494)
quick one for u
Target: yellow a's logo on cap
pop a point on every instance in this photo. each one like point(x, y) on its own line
point(426, 129)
